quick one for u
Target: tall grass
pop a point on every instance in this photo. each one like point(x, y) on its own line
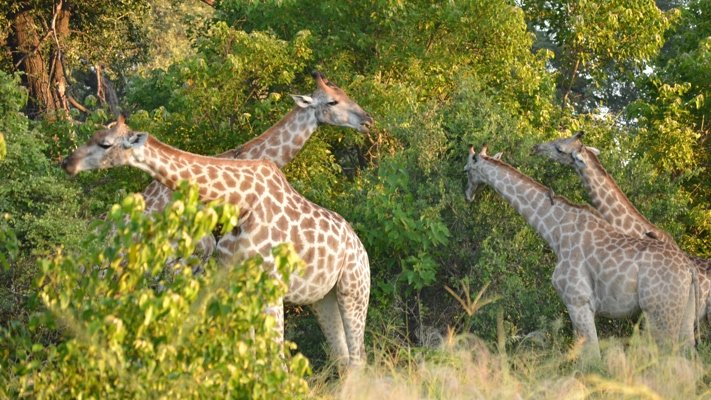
point(465, 367)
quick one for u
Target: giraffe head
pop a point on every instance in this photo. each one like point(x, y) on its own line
point(332, 106)
point(109, 147)
point(565, 150)
point(473, 170)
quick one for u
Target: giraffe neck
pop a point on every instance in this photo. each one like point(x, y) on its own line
point(282, 141)
point(239, 182)
point(607, 197)
point(546, 213)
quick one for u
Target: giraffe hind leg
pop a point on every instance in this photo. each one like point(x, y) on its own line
point(352, 297)
point(329, 318)
point(687, 336)
point(670, 318)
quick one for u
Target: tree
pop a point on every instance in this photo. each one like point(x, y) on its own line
point(47, 40)
point(600, 47)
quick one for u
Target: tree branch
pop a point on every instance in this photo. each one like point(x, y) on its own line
point(76, 104)
point(210, 3)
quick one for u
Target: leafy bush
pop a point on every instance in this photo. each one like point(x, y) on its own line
point(40, 208)
point(132, 328)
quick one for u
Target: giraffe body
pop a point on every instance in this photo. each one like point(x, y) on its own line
point(328, 105)
point(599, 270)
point(615, 207)
point(336, 280)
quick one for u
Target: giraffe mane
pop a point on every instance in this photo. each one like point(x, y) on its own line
point(155, 143)
point(233, 153)
point(617, 188)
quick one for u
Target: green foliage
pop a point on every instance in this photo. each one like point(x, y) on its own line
point(172, 28)
point(600, 47)
point(408, 230)
point(40, 209)
point(222, 96)
point(132, 327)
point(8, 243)
point(666, 128)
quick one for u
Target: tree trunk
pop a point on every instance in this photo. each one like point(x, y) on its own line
point(106, 92)
point(26, 52)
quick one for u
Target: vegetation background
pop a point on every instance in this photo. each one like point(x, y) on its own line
point(206, 76)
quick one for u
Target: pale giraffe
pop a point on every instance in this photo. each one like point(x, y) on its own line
point(599, 270)
point(327, 105)
point(336, 280)
point(613, 204)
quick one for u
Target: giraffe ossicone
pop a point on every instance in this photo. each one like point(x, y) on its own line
point(336, 280)
point(615, 206)
point(599, 270)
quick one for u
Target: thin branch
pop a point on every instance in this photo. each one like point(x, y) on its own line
point(572, 80)
point(76, 104)
point(53, 28)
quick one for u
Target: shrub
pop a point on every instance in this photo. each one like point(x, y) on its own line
point(133, 328)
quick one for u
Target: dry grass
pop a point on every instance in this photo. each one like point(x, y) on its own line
point(464, 367)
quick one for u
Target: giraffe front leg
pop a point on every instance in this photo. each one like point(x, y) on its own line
point(583, 319)
point(329, 318)
point(576, 292)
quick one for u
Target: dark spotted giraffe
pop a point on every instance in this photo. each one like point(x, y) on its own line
point(327, 105)
point(336, 280)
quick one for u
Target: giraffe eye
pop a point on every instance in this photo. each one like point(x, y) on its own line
point(105, 145)
point(332, 103)
point(559, 150)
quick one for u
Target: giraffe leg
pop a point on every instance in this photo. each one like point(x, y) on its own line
point(353, 304)
point(687, 335)
point(670, 311)
point(277, 311)
point(583, 319)
point(578, 300)
point(329, 318)
point(204, 249)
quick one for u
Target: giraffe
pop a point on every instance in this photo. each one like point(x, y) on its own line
point(607, 197)
point(336, 280)
point(599, 270)
point(327, 105)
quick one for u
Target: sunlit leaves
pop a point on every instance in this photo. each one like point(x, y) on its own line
point(136, 322)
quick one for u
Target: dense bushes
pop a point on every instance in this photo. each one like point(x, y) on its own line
point(133, 328)
point(38, 206)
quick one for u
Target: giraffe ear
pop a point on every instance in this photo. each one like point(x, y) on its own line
point(135, 140)
point(471, 158)
point(303, 101)
point(593, 150)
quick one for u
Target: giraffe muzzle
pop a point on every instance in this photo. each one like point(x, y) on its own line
point(366, 124)
point(69, 167)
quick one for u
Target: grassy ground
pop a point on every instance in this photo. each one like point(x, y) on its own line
point(465, 367)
